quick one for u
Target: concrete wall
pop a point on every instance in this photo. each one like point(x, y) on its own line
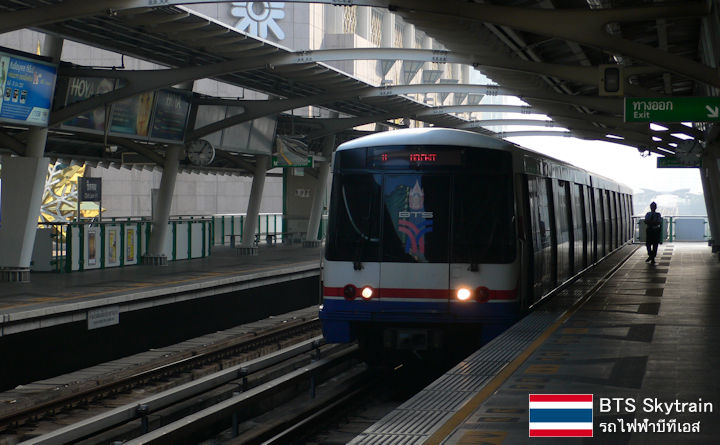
point(127, 193)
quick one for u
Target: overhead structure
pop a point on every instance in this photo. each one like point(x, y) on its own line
point(559, 57)
point(193, 46)
point(552, 47)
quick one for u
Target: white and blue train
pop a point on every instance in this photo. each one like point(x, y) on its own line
point(437, 236)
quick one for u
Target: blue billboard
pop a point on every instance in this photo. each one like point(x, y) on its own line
point(27, 87)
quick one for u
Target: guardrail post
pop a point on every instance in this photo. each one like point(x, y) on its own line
point(189, 240)
point(81, 256)
point(174, 240)
point(142, 411)
point(122, 244)
point(102, 245)
point(68, 248)
point(244, 373)
point(235, 430)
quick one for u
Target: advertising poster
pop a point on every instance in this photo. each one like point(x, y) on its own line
point(112, 246)
point(92, 248)
point(131, 116)
point(83, 88)
point(171, 113)
point(27, 89)
point(130, 245)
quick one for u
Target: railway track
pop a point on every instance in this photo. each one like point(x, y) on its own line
point(31, 417)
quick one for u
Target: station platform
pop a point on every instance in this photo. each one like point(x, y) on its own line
point(100, 296)
point(645, 343)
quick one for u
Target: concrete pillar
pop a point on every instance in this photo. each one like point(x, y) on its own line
point(253, 210)
point(711, 188)
point(709, 202)
point(23, 186)
point(155, 254)
point(311, 237)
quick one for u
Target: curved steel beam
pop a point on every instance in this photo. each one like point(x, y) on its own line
point(522, 109)
point(509, 122)
point(582, 26)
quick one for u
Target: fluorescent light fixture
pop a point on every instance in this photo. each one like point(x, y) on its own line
point(673, 144)
point(682, 136)
point(613, 136)
point(656, 139)
point(687, 124)
point(656, 127)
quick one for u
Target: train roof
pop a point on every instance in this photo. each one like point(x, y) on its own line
point(426, 136)
point(451, 136)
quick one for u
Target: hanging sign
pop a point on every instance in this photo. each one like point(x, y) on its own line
point(27, 87)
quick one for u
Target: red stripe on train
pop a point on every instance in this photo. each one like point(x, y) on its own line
point(438, 294)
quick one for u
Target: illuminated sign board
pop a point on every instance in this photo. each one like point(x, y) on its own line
point(27, 87)
point(170, 116)
point(672, 109)
point(156, 116)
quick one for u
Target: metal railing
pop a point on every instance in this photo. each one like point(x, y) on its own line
point(122, 241)
point(270, 227)
point(116, 242)
point(675, 228)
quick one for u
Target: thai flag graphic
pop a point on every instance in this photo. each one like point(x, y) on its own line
point(561, 415)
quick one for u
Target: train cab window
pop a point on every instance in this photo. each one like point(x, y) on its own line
point(354, 230)
point(415, 222)
point(482, 216)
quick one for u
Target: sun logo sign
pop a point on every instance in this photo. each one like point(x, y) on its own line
point(256, 18)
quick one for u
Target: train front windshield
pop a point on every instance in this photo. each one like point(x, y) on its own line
point(430, 204)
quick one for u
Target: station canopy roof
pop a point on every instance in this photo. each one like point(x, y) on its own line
point(547, 51)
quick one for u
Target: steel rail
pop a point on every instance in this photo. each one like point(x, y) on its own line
point(74, 396)
point(149, 405)
point(176, 431)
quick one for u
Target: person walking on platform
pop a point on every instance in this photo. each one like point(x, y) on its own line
point(653, 230)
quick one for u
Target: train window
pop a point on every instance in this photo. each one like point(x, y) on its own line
point(354, 158)
point(354, 230)
point(482, 219)
point(416, 226)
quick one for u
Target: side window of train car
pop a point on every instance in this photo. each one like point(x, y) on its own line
point(416, 218)
point(482, 219)
point(354, 229)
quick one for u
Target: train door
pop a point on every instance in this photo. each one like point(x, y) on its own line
point(617, 219)
point(579, 227)
point(607, 209)
point(600, 221)
point(415, 239)
point(539, 208)
point(590, 210)
point(564, 235)
point(622, 229)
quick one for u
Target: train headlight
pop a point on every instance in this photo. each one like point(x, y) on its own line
point(482, 294)
point(349, 292)
point(367, 292)
point(463, 294)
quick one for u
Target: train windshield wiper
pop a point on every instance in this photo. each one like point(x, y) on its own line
point(357, 263)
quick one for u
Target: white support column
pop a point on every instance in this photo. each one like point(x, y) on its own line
point(155, 254)
point(316, 211)
point(23, 186)
point(250, 224)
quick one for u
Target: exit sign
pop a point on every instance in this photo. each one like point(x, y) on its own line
point(284, 161)
point(666, 162)
point(672, 109)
